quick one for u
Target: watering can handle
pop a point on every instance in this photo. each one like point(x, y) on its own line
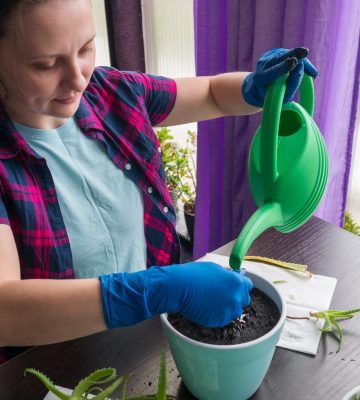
point(271, 120)
point(306, 92)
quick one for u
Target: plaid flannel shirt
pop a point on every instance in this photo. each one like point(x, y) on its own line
point(119, 109)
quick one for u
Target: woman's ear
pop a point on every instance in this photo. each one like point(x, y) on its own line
point(3, 92)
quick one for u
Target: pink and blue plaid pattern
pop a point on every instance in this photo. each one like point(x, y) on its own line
point(119, 109)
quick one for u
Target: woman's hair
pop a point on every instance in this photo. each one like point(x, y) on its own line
point(9, 7)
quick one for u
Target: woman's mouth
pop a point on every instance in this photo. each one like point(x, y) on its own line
point(67, 100)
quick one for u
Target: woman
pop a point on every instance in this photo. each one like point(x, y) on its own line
point(82, 189)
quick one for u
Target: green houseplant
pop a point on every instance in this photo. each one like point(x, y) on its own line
point(173, 167)
point(188, 193)
point(350, 224)
point(180, 169)
point(90, 386)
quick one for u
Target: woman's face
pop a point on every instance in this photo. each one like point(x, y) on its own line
point(47, 58)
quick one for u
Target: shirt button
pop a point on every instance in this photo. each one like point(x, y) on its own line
point(150, 189)
point(166, 210)
point(128, 166)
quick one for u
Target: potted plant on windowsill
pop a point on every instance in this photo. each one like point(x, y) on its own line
point(188, 193)
point(180, 169)
point(170, 157)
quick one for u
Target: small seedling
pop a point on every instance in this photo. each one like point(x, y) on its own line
point(331, 317)
point(283, 264)
point(89, 386)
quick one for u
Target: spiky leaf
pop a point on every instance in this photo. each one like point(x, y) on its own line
point(48, 383)
point(95, 378)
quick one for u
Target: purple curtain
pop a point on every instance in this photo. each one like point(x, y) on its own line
point(229, 36)
point(126, 44)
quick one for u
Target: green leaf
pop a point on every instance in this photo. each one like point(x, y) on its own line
point(110, 389)
point(161, 390)
point(277, 263)
point(330, 317)
point(90, 384)
point(343, 313)
point(350, 225)
point(340, 334)
point(95, 378)
point(48, 383)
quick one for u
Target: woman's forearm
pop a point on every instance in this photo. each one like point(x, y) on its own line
point(35, 312)
point(226, 91)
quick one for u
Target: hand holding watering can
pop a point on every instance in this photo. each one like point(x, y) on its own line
point(288, 163)
point(271, 66)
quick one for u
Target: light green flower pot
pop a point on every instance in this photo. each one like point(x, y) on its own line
point(219, 372)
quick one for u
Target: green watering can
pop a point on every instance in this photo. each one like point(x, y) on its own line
point(287, 167)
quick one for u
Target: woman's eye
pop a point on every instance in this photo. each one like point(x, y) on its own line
point(87, 49)
point(44, 67)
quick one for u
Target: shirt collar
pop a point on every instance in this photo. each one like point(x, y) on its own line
point(86, 118)
point(11, 142)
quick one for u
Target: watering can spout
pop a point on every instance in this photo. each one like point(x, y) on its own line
point(266, 216)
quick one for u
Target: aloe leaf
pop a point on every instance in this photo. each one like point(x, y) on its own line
point(328, 324)
point(161, 390)
point(110, 389)
point(97, 377)
point(330, 317)
point(127, 377)
point(340, 334)
point(287, 265)
point(344, 312)
point(317, 314)
point(48, 383)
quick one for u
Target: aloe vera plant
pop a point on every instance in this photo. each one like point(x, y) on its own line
point(89, 386)
point(331, 317)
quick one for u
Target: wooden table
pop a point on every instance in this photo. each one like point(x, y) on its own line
point(327, 250)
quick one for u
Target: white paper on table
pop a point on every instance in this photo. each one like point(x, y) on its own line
point(51, 396)
point(302, 294)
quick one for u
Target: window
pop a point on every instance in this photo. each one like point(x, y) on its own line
point(168, 29)
point(101, 40)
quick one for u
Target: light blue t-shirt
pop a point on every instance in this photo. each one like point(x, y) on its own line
point(102, 209)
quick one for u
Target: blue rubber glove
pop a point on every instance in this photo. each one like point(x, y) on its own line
point(270, 66)
point(202, 292)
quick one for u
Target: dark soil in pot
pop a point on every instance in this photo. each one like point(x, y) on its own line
point(257, 319)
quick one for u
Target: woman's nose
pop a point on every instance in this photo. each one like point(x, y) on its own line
point(74, 77)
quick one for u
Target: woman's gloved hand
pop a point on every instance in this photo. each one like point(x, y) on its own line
point(270, 66)
point(203, 292)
